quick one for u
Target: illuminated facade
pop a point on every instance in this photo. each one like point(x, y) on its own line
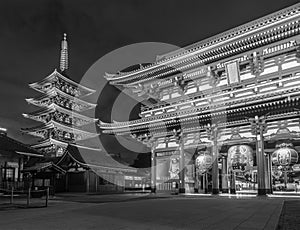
point(221, 108)
point(61, 105)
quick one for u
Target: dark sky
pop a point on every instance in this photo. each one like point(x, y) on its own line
point(31, 31)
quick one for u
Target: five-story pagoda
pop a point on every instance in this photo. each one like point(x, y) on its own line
point(61, 105)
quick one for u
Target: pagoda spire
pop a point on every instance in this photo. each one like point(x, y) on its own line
point(64, 59)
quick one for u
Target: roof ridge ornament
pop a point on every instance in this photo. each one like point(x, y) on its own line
point(64, 58)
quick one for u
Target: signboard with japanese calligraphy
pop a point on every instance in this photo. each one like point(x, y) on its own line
point(233, 72)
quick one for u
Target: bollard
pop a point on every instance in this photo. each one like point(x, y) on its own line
point(28, 197)
point(47, 196)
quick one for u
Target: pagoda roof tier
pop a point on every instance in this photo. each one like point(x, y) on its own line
point(54, 107)
point(54, 77)
point(49, 142)
point(71, 113)
point(269, 29)
point(53, 124)
point(45, 97)
point(40, 112)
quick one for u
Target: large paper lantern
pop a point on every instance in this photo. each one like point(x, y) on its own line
point(240, 156)
point(285, 156)
point(203, 162)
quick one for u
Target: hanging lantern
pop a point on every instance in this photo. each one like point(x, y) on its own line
point(240, 156)
point(203, 162)
point(284, 156)
point(174, 168)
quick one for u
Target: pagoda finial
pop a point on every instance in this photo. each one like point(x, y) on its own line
point(64, 59)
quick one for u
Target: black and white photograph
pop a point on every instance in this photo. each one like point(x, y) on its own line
point(157, 115)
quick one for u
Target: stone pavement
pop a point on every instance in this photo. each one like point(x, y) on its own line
point(105, 198)
point(290, 216)
point(141, 211)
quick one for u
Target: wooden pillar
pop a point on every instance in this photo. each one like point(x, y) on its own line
point(67, 182)
point(96, 182)
point(153, 170)
point(285, 177)
point(87, 178)
point(19, 169)
point(258, 128)
point(202, 182)
point(197, 182)
point(260, 158)
point(215, 167)
point(181, 166)
point(54, 183)
point(205, 182)
point(5, 171)
point(232, 182)
point(1, 176)
point(270, 172)
point(267, 173)
point(224, 175)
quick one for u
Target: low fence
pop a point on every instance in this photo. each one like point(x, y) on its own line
point(24, 198)
point(17, 185)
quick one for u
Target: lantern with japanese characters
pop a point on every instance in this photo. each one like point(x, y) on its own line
point(284, 155)
point(203, 162)
point(240, 157)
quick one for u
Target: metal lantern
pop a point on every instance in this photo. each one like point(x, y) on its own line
point(285, 156)
point(203, 162)
point(240, 156)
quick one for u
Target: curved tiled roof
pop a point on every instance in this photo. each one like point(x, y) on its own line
point(135, 67)
point(240, 39)
point(95, 158)
point(13, 146)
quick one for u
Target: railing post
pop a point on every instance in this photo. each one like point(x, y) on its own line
point(28, 196)
point(12, 195)
point(47, 196)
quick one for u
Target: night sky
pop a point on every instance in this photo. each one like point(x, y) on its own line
point(31, 32)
